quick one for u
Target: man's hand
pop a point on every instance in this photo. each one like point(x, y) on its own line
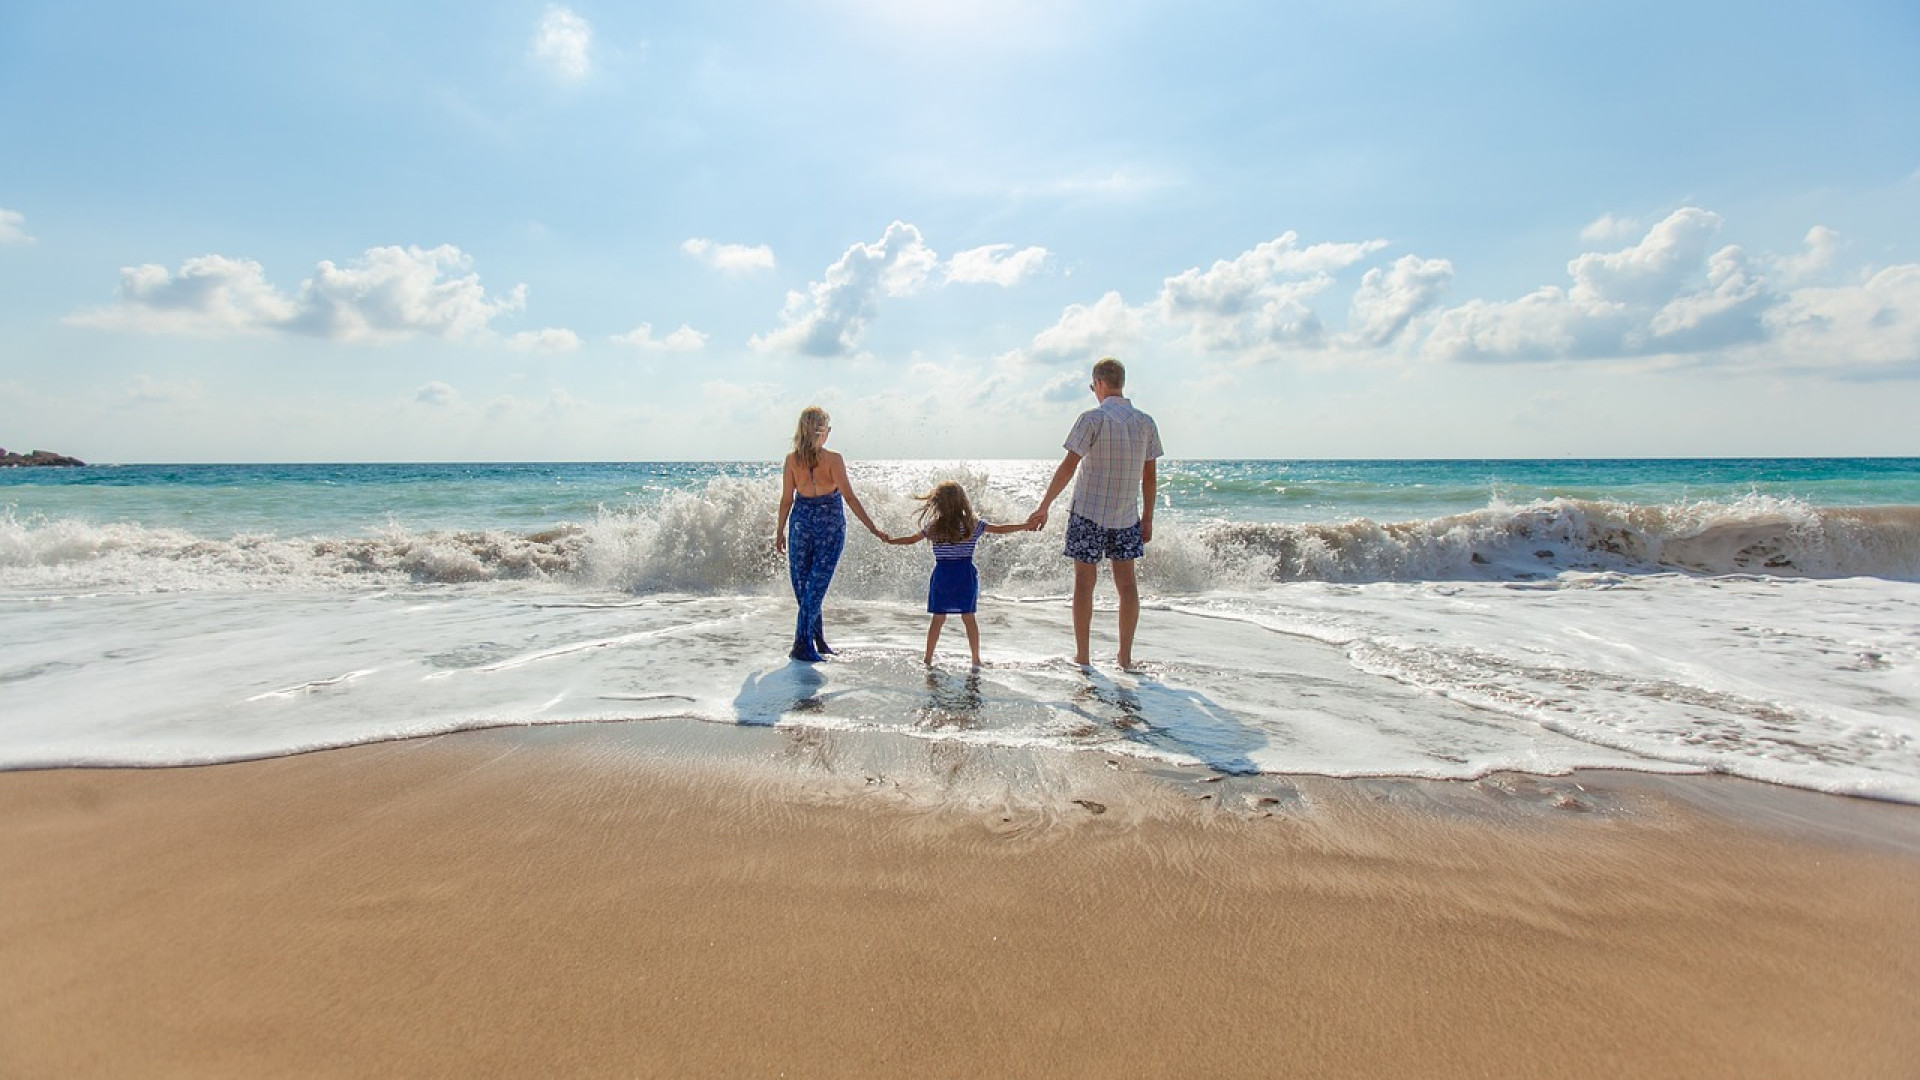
point(1036, 521)
point(1146, 530)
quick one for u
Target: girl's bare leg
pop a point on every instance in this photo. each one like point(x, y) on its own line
point(973, 636)
point(933, 635)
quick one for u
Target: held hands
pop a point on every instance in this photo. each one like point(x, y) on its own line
point(1037, 520)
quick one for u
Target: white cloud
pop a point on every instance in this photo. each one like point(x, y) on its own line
point(1085, 333)
point(1257, 301)
point(389, 294)
point(1643, 300)
point(1388, 301)
point(832, 315)
point(1652, 270)
point(1673, 295)
point(1869, 325)
point(13, 228)
point(685, 339)
point(211, 296)
point(1822, 248)
point(730, 258)
point(393, 293)
point(995, 264)
point(551, 339)
point(1606, 228)
point(437, 394)
point(562, 44)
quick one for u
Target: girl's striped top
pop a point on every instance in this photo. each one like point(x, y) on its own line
point(961, 550)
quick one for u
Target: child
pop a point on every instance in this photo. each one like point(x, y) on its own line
point(947, 519)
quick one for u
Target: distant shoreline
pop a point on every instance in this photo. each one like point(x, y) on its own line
point(10, 460)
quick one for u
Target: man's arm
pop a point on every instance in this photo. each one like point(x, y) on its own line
point(1149, 486)
point(1061, 475)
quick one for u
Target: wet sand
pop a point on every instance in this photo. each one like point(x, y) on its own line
point(678, 899)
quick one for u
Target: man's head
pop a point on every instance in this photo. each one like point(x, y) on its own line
point(1111, 372)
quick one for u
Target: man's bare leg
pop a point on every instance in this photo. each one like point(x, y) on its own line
point(1129, 589)
point(1084, 576)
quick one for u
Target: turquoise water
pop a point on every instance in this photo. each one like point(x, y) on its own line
point(220, 501)
point(1420, 618)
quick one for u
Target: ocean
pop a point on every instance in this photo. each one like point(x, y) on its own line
point(1443, 619)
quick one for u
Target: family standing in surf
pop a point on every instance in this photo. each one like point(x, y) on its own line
point(1111, 449)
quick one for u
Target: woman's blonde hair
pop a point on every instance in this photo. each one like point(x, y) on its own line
point(946, 515)
point(806, 435)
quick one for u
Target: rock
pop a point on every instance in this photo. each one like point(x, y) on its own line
point(38, 457)
point(1091, 806)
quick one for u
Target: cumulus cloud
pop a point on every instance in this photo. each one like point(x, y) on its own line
point(995, 264)
point(1675, 294)
point(831, 316)
point(437, 394)
point(1822, 250)
point(563, 43)
point(730, 258)
point(1084, 333)
point(685, 339)
point(1872, 324)
point(1388, 300)
point(1662, 295)
point(389, 294)
point(1259, 299)
point(549, 339)
point(13, 228)
point(393, 293)
point(211, 296)
point(1606, 229)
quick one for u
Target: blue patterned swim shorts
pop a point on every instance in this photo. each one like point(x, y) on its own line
point(1089, 543)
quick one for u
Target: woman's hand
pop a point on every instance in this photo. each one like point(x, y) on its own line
point(780, 542)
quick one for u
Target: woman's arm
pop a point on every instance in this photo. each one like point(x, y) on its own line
point(786, 504)
point(853, 501)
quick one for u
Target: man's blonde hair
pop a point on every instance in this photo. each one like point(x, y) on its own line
point(1112, 372)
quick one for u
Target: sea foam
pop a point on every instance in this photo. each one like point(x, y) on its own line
point(719, 541)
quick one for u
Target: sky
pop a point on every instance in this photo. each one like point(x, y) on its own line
point(521, 231)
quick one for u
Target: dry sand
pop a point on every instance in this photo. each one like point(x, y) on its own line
point(684, 900)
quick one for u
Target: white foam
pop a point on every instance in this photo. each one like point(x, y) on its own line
point(1808, 683)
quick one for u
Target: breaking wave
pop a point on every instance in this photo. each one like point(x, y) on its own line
point(718, 541)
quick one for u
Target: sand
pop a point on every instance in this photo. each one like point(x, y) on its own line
point(678, 899)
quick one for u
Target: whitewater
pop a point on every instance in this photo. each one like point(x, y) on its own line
point(1423, 619)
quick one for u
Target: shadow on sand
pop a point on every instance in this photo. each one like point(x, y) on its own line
point(1170, 719)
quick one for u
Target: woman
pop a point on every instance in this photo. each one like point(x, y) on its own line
point(812, 485)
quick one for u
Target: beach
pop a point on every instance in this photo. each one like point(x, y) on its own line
point(677, 898)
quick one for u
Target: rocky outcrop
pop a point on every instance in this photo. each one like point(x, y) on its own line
point(38, 457)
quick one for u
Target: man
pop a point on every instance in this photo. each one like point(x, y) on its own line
point(1118, 445)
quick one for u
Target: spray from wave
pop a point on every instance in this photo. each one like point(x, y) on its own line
point(719, 541)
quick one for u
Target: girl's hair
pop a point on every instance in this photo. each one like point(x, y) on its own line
point(806, 435)
point(946, 515)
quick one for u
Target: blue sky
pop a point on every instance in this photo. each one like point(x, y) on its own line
point(527, 231)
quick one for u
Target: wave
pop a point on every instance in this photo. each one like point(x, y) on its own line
point(718, 541)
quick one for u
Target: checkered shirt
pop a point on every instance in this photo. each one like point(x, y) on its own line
point(1114, 441)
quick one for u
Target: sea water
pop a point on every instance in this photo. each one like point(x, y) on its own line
point(1441, 619)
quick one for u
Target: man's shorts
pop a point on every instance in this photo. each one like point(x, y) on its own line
point(1087, 542)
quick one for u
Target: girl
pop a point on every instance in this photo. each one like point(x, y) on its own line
point(947, 519)
point(812, 484)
